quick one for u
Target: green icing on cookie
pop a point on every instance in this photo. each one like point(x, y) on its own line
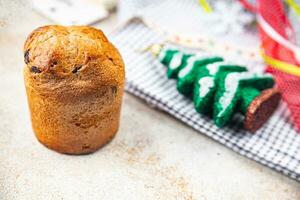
point(175, 66)
point(206, 84)
point(248, 94)
point(188, 73)
point(165, 55)
point(230, 90)
point(174, 60)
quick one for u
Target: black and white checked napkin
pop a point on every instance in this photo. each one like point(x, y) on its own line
point(276, 144)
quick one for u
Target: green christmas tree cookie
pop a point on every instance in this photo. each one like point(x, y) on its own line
point(222, 89)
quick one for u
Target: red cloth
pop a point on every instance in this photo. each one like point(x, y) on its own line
point(272, 11)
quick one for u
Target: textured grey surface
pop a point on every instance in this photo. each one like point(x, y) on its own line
point(153, 156)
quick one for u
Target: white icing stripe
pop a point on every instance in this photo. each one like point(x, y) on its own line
point(162, 54)
point(205, 85)
point(231, 85)
point(190, 63)
point(189, 66)
point(176, 60)
point(213, 68)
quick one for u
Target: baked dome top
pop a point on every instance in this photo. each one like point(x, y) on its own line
point(75, 55)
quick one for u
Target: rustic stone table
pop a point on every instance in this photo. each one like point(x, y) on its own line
point(153, 156)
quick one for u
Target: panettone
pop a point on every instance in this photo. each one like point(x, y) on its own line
point(74, 80)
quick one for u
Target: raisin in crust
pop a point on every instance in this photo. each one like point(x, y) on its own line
point(74, 79)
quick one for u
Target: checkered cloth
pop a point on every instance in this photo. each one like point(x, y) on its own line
point(276, 144)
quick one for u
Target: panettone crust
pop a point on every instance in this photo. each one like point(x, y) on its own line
point(74, 80)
